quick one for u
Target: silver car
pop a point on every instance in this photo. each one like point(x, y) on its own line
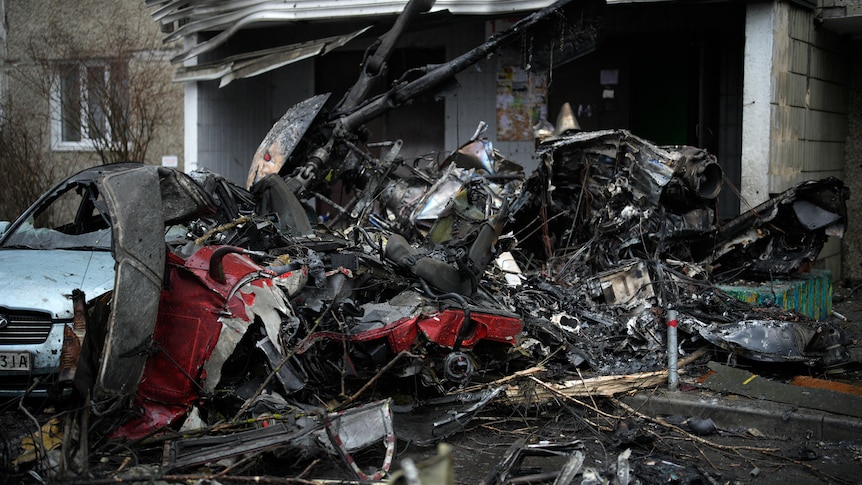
point(93, 243)
point(59, 247)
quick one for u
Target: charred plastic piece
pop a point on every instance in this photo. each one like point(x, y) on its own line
point(440, 274)
point(466, 244)
point(274, 198)
point(337, 434)
point(781, 237)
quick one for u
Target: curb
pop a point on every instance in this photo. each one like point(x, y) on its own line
point(735, 412)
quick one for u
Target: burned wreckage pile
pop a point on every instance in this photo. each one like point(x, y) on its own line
point(330, 340)
point(253, 327)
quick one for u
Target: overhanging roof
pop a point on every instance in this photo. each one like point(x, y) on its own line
point(184, 19)
point(844, 17)
point(258, 62)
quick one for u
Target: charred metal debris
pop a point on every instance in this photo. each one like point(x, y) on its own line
point(240, 324)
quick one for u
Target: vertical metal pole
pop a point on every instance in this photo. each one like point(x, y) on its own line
point(672, 373)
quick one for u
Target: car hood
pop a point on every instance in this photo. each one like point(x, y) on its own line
point(44, 279)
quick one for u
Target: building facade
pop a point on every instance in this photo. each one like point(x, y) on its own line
point(85, 70)
point(772, 87)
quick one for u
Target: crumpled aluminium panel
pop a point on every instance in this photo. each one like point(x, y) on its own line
point(200, 323)
point(780, 237)
point(614, 191)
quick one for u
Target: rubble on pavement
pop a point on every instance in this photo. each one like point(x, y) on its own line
point(254, 333)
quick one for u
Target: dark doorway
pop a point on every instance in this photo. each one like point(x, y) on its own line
point(664, 90)
point(669, 74)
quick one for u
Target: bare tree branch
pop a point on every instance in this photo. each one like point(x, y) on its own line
point(126, 92)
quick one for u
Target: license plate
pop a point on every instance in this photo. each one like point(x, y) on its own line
point(15, 361)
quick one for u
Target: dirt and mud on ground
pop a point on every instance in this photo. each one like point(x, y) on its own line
point(614, 440)
point(670, 448)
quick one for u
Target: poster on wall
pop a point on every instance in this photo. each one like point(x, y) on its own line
point(521, 102)
point(521, 94)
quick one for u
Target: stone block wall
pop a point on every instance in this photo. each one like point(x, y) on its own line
point(808, 108)
point(852, 242)
point(809, 100)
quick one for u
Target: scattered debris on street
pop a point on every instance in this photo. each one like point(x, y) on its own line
point(244, 336)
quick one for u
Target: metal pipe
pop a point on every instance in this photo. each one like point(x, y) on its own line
point(672, 352)
point(216, 269)
point(441, 73)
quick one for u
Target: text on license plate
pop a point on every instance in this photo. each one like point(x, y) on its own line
point(14, 361)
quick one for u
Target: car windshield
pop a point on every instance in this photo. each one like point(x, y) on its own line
point(74, 218)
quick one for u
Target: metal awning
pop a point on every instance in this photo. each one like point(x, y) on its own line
point(258, 62)
point(845, 18)
point(218, 21)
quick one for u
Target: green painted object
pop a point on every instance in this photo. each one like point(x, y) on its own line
point(810, 294)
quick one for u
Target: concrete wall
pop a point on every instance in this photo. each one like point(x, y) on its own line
point(42, 31)
point(794, 106)
point(852, 242)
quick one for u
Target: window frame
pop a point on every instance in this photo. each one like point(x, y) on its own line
point(57, 107)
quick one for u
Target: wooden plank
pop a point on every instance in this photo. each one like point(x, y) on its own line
point(811, 382)
point(601, 386)
point(604, 386)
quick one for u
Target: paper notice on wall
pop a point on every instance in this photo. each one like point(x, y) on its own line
point(522, 96)
point(521, 102)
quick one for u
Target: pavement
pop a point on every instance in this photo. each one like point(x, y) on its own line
point(734, 412)
point(764, 428)
point(763, 397)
